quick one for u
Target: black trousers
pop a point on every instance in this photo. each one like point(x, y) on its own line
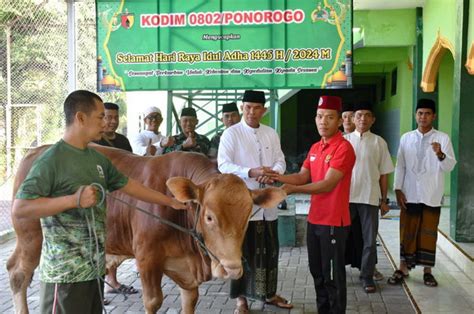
point(326, 254)
point(72, 298)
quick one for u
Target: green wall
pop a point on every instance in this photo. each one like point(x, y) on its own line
point(445, 104)
point(385, 28)
point(471, 24)
point(438, 16)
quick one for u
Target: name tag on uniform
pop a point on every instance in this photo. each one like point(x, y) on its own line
point(312, 158)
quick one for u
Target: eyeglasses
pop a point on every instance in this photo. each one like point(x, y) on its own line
point(154, 117)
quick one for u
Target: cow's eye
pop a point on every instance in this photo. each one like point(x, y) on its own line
point(208, 218)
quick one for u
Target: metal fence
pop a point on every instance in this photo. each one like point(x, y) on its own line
point(33, 78)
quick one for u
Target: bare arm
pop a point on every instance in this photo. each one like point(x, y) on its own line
point(49, 206)
point(143, 193)
point(383, 183)
point(331, 179)
point(299, 178)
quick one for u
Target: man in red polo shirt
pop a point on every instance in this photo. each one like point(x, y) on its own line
point(326, 175)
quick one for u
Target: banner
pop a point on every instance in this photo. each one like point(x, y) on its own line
point(223, 44)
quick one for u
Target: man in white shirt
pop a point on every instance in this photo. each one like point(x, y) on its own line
point(252, 151)
point(425, 155)
point(150, 142)
point(368, 192)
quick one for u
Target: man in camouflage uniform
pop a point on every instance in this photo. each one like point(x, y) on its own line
point(230, 116)
point(59, 191)
point(189, 140)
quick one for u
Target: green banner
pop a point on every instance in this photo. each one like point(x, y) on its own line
point(223, 44)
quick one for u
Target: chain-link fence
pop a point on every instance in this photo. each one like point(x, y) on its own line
point(34, 82)
point(33, 78)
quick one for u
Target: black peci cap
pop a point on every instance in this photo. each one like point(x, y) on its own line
point(254, 96)
point(188, 112)
point(427, 104)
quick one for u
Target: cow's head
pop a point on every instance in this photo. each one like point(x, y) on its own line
point(226, 204)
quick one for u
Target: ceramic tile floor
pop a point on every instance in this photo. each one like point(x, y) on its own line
point(455, 292)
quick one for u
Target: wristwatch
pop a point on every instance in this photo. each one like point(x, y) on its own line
point(381, 201)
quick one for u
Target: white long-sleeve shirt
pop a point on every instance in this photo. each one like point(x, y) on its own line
point(242, 148)
point(372, 161)
point(140, 142)
point(419, 174)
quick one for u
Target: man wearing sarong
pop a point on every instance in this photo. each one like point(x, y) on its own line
point(326, 175)
point(252, 151)
point(425, 155)
point(369, 187)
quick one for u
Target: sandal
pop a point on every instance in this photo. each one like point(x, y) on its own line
point(123, 289)
point(397, 277)
point(369, 285)
point(378, 275)
point(429, 280)
point(241, 308)
point(280, 302)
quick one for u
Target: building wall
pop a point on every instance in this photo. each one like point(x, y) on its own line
point(439, 18)
point(471, 22)
point(382, 27)
point(445, 104)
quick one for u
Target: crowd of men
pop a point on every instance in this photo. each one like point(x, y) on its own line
point(346, 174)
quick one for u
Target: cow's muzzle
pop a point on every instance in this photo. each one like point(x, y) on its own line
point(227, 269)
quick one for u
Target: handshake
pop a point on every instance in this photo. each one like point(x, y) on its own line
point(265, 175)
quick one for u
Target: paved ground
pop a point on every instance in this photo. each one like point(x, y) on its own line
point(295, 283)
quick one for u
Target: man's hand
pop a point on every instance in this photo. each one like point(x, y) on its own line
point(88, 196)
point(288, 188)
point(437, 150)
point(167, 141)
point(265, 180)
point(190, 141)
point(261, 172)
point(150, 149)
point(177, 204)
point(384, 209)
point(401, 199)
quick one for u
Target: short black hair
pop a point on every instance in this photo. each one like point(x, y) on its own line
point(79, 100)
point(111, 106)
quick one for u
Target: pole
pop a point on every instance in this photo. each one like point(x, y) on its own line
point(71, 46)
point(8, 111)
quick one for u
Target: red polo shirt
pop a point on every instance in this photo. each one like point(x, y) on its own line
point(331, 208)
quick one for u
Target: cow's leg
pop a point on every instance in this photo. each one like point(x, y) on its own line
point(21, 266)
point(112, 263)
point(151, 285)
point(189, 298)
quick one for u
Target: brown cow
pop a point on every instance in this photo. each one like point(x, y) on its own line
point(225, 203)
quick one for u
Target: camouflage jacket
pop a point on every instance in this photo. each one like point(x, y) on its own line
point(216, 139)
point(202, 144)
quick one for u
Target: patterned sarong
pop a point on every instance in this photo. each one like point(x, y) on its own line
point(260, 251)
point(418, 234)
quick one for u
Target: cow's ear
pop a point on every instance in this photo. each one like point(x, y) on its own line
point(183, 189)
point(268, 198)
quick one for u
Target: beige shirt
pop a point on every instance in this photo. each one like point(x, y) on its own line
point(372, 160)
